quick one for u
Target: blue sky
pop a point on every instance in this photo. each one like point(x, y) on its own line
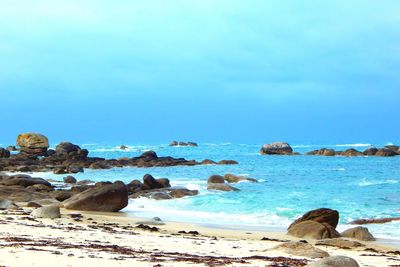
point(241, 71)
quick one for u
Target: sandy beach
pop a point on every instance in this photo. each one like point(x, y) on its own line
point(105, 239)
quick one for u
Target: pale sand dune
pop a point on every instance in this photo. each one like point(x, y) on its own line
point(115, 241)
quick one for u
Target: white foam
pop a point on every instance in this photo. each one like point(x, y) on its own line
point(353, 145)
point(366, 182)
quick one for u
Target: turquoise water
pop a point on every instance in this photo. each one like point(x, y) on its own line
point(358, 187)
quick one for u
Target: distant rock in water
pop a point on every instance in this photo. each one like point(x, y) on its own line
point(370, 151)
point(351, 152)
point(322, 152)
point(176, 143)
point(123, 147)
point(379, 220)
point(231, 178)
point(387, 151)
point(217, 182)
point(277, 148)
point(33, 143)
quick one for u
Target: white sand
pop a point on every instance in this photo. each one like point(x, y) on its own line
point(121, 244)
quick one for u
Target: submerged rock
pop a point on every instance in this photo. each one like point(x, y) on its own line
point(111, 197)
point(221, 187)
point(277, 148)
point(231, 178)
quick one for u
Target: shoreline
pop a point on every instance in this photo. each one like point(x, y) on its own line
point(92, 238)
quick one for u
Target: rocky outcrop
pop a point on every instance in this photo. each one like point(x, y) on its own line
point(322, 152)
point(370, 151)
point(176, 143)
point(316, 224)
point(351, 152)
point(360, 233)
point(301, 249)
point(111, 197)
point(33, 144)
point(227, 162)
point(277, 148)
point(23, 180)
point(335, 261)
point(165, 193)
point(385, 152)
point(231, 178)
point(380, 220)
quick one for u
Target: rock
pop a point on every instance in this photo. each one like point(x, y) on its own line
point(123, 147)
point(33, 204)
point(18, 193)
point(164, 182)
point(322, 215)
point(50, 212)
point(173, 143)
point(41, 187)
point(221, 187)
point(103, 165)
point(323, 152)
point(339, 242)
point(301, 249)
point(149, 155)
point(4, 153)
point(192, 144)
point(50, 152)
point(85, 182)
point(113, 197)
point(360, 233)
point(369, 221)
point(69, 179)
point(33, 143)
point(165, 193)
point(277, 148)
point(370, 151)
point(312, 229)
point(134, 186)
point(182, 144)
point(208, 162)
point(335, 261)
point(394, 148)
point(227, 162)
point(23, 180)
point(12, 148)
point(6, 204)
point(231, 178)
point(384, 152)
point(61, 195)
point(74, 169)
point(351, 152)
point(60, 170)
point(216, 179)
point(66, 148)
point(149, 180)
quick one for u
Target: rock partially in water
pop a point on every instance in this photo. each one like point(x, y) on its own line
point(322, 215)
point(227, 162)
point(385, 152)
point(323, 152)
point(33, 143)
point(221, 187)
point(370, 151)
point(69, 179)
point(216, 179)
point(351, 152)
point(360, 233)
point(277, 148)
point(231, 178)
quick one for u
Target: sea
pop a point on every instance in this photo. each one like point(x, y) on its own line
point(289, 186)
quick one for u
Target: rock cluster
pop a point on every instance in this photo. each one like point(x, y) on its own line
point(176, 143)
point(157, 189)
point(70, 158)
point(387, 151)
point(217, 182)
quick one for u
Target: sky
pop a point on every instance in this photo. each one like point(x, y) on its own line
point(200, 70)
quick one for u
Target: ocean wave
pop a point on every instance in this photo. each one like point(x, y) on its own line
point(302, 146)
point(353, 145)
point(366, 182)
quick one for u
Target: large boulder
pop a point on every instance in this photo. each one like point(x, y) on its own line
point(385, 152)
point(70, 150)
point(335, 261)
point(301, 249)
point(277, 148)
point(370, 151)
point(111, 197)
point(33, 143)
point(360, 233)
point(50, 212)
point(4, 153)
point(322, 215)
point(351, 152)
point(152, 183)
point(313, 230)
